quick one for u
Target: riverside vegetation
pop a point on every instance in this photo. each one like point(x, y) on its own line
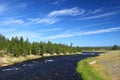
point(103, 67)
point(16, 49)
point(20, 47)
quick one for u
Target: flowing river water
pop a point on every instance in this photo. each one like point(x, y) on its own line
point(49, 68)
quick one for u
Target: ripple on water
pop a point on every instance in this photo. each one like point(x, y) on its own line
point(27, 65)
point(10, 69)
point(49, 60)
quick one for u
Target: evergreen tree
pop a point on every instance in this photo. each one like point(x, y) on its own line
point(115, 47)
point(35, 48)
point(42, 48)
point(49, 48)
point(27, 47)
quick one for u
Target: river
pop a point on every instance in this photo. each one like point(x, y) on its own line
point(49, 68)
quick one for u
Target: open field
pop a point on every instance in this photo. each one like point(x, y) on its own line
point(103, 67)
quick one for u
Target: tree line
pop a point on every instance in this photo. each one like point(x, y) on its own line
point(20, 47)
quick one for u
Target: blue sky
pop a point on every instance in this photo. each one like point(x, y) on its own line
point(81, 22)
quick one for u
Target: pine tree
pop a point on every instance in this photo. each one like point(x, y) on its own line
point(49, 48)
point(115, 47)
point(35, 48)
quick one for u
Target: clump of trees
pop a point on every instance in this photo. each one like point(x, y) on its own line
point(20, 47)
point(115, 47)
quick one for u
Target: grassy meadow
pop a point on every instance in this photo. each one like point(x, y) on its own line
point(103, 67)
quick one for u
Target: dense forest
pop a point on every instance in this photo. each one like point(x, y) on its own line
point(20, 47)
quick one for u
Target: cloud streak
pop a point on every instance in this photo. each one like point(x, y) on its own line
point(101, 15)
point(39, 36)
point(13, 21)
point(32, 36)
point(66, 12)
point(53, 29)
point(58, 2)
point(43, 20)
point(64, 35)
point(96, 11)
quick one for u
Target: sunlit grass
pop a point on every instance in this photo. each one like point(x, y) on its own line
point(10, 60)
point(105, 67)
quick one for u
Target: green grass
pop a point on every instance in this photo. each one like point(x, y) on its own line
point(87, 72)
point(105, 67)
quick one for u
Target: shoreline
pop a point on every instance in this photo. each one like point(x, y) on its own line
point(7, 60)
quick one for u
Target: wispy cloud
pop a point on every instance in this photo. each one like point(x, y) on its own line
point(39, 36)
point(51, 18)
point(21, 21)
point(96, 11)
point(25, 34)
point(44, 20)
point(12, 32)
point(100, 31)
point(66, 12)
point(53, 29)
point(31, 35)
point(83, 33)
point(58, 2)
point(8, 8)
point(13, 21)
point(101, 15)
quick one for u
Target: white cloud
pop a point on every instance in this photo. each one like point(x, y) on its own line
point(8, 8)
point(44, 20)
point(13, 21)
point(83, 33)
point(12, 32)
point(101, 15)
point(58, 2)
point(100, 31)
point(25, 34)
point(66, 12)
point(29, 21)
point(96, 11)
point(59, 36)
point(33, 36)
point(53, 29)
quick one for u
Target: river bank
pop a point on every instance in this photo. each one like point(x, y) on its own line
point(44, 68)
point(6, 60)
point(103, 67)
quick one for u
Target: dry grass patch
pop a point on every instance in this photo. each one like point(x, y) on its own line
point(111, 63)
point(105, 66)
point(10, 60)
